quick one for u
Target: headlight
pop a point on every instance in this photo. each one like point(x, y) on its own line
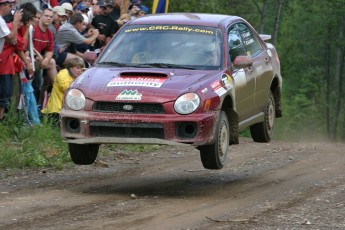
point(75, 99)
point(187, 103)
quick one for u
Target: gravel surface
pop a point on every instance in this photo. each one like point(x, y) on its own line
point(279, 185)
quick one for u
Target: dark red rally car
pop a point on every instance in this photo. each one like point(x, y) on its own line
point(194, 79)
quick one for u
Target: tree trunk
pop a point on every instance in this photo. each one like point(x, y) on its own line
point(263, 13)
point(276, 21)
point(338, 78)
point(327, 78)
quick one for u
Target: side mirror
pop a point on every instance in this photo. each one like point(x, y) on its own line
point(242, 62)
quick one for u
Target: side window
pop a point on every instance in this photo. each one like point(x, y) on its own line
point(250, 42)
point(236, 47)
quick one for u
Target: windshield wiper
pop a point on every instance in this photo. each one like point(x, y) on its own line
point(113, 63)
point(146, 65)
point(124, 64)
point(167, 65)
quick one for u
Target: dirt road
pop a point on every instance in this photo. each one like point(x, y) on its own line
point(279, 185)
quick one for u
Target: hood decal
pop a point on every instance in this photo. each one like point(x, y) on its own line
point(129, 95)
point(137, 81)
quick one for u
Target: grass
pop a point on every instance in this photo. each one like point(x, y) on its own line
point(24, 146)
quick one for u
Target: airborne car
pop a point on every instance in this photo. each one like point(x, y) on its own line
point(194, 79)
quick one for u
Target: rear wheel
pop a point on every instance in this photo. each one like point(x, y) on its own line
point(263, 131)
point(214, 156)
point(83, 154)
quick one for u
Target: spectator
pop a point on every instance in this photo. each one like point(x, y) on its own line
point(116, 10)
point(68, 10)
point(123, 19)
point(69, 36)
point(74, 3)
point(83, 9)
point(5, 33)
point(17, 45)
point(96, 9)
point(133, 11)
point(62, 81)
point(143, 11)
point(59, 16)
point(43, 40)
point(37, 17)
point(89, 3)
point(30, 14)
point(106, 26)
point(40, 4)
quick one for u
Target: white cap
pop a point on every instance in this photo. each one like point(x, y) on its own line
point(67, 6)
point(86, 18)
point(59, 10)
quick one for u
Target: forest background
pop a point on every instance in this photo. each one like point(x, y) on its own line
point(309, 38)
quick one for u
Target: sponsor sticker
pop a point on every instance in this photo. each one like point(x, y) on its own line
point(137, 81)
point(218, 89)
point(130, 95)
point(227, 82)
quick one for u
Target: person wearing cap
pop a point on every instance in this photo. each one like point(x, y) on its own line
point(74, 3)
point(68, 10)
point(43, 40)
point(83, 9)
point(69, 36)
point(143, 11)
point(96, 9)
point(106, 25)
point(58, 17)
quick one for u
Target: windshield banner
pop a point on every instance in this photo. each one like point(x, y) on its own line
point(171, 28)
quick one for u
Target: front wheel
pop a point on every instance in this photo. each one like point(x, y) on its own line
point(263, 131)
point(83, 154)
point(214, 156)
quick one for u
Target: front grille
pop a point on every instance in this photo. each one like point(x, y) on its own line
point(115, 107)
point(139, 130)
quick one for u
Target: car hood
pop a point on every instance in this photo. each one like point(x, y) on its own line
point(154, 85)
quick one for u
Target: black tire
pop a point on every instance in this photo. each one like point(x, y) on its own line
point(83, 154)
point(262, 132)
point(214, 156)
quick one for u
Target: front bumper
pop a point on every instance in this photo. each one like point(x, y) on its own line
point(89, 127)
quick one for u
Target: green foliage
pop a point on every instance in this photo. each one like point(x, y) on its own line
point(307, 44)
point(24, 146)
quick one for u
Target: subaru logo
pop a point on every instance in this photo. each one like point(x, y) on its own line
point(128, 107)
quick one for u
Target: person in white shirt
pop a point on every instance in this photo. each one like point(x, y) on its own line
point(6, 34)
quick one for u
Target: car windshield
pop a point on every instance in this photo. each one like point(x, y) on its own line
point(147, 46)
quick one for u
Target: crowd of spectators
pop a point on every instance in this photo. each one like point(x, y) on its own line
point(43, 39)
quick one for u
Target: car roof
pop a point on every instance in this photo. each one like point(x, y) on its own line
point(198, 19)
